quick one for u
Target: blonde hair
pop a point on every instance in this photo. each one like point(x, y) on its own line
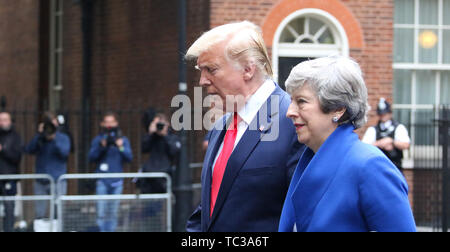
point(244, 42)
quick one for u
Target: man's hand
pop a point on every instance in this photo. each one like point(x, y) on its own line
point(103, 142)
point(119, 142)
point(386, 144)
point(41, 128)
point(152, 128)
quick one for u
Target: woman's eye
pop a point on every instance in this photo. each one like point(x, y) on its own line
point(301, 101)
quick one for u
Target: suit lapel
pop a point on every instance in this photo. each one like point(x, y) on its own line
point(316, 172)
point(243, 150)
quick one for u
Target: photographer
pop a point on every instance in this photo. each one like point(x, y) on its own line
point(52, 148)
point(163, 147)
point(10, 155)
point(109, 150)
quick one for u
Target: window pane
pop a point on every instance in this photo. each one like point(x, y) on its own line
point(424, 131)
point(445, 88)
point(404, 12)
point(446, 11)
point(315, 25)
point(403, 116)
point(404, 45)
point(446, 45)
point(428, 46)
point(327, 38)
point(402, 87)
point(425, 87)
point(428, 12)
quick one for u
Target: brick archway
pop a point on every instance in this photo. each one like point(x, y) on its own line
point(335, 7)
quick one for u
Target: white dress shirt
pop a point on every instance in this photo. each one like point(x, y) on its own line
point(249, 111)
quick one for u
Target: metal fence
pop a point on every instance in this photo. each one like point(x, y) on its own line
point(80, 213)
point(25, 207)
point(123, 212)
point(428, 175)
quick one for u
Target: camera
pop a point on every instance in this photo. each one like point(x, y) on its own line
point(111, 136)
point(160, 126)
point(49, 128)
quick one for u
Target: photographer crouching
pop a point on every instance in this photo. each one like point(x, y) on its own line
point(52, 148)
point(109, 150)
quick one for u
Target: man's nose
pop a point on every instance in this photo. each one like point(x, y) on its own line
point(204, 81)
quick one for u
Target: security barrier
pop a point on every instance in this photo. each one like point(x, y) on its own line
point(115, 212)
point(43, 204)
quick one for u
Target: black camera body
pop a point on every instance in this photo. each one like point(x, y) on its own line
point(49, 128)
point(111, 135)
point(160, 126)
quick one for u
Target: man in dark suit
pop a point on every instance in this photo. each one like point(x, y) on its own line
point(253, 150)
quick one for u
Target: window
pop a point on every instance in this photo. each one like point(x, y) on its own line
point(303, 35)
point(421, 65)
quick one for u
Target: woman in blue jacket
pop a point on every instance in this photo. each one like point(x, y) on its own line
point(340, 183)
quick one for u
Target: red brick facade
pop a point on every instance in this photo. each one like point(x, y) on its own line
point(19, 51)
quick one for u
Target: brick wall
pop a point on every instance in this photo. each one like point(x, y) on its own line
point(135, 56)
point(19, 54)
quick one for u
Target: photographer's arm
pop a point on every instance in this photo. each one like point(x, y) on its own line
point(125, 150)
point(173, 145)
point(146, 144)
point(62, 143)
point(97, 150)
point(35, 145)
point(12, 151)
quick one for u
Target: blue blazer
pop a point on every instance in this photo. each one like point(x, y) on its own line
point(257, 176)
point(346, 186)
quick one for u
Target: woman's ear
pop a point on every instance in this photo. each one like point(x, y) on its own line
point(339, 113)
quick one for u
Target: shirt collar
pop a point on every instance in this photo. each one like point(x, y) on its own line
point(254, 104)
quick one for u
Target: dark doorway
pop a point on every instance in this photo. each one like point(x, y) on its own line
point(285, 67)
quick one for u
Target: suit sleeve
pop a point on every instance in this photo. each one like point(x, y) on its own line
point(384, 197)
point(194, 223)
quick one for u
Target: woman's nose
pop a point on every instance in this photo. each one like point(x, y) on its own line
point(292, 111)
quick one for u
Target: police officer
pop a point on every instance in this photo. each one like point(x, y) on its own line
point(388, 135)
point(10, 155)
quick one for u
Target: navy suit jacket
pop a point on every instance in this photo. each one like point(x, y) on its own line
point(347, 186)
point(257, 175)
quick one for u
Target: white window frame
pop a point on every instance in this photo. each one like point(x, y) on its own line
point(341, 45)
point(416, 151)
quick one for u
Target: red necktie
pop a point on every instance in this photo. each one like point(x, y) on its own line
point(222, 160)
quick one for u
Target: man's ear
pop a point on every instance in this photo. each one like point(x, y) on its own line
point(249, 70)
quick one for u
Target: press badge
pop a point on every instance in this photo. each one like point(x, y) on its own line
point(104, 167)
